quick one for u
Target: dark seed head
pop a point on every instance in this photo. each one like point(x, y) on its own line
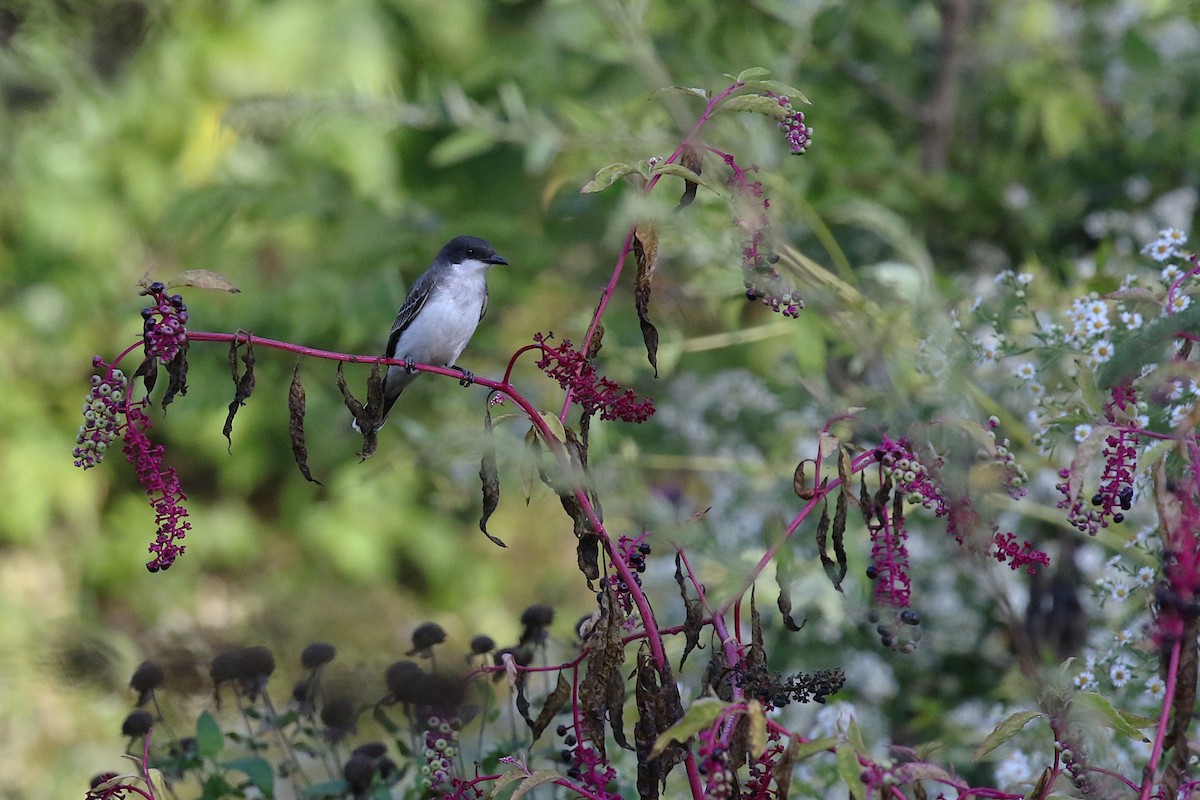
point(147, 677)
point(138, 723)
point(482, 644)
point(316, 654)
point(425, 637)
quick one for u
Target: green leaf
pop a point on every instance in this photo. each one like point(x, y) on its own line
point(809, 749)
point(607, 176)
point(504, 780)
point(699, 716)
point(680, 171)
point(209, 739)
point(1119, 721)
point(1007, 729)
point(849, 770)
point(756, 104)
point(752, 73)
point(461, 145)
point(258, 770)
point(533, 781)
point(690, 91)
point(778, 87)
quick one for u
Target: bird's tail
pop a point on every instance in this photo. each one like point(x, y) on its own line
point(394, 384)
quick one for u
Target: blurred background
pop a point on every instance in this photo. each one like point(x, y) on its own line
point(319, 152)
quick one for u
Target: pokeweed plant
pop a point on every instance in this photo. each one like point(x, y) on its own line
point(1114, 378)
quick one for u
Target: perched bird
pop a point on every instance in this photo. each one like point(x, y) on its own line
point(440, 314)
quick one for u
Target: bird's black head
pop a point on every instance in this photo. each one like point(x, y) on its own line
point(467, 248)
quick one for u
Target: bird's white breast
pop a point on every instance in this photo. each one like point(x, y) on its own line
point(448, 319)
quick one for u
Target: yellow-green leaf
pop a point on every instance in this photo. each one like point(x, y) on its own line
point(607, 176)
point(1119, 721)
point(849, 770)
point(533, 781)
point(203, 279)
point(1007, 729)
point(699, 716)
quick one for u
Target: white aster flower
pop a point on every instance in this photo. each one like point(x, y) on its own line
point(1120, 673)
point(1145, 577)
point(1102, 351)
point(1178, 413)
point(1156, 687)
point(1082, 431)
point(1179, 302)
point(1159, 250)
point(1025, 371)
point(1119, 591)
point(1170, 273)
point(1132, 319)
point(1085, 681)
point(1174, 236)
point(1036, 390)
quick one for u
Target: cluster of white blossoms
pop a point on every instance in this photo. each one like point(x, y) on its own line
point(1167, 246)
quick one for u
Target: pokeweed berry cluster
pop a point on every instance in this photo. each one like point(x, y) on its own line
point(633, 551)
point(798, 135)
point(1115, 493)
point(103, 415)
point(593, 392)
point(164, 327)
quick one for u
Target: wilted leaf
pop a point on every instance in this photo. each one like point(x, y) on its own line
point(368, 423)
point(1085, 454)
point(176, 376)
point(699, 716)
point(694, 621)
point(607, 176)
point(489, 474)
point(148, 372)
point(645, 252)
point(296, 410)
point(203, 279)
point(554, 703)
point(692, 160)
point(601, 691)
point(656, 695)
point(243, 385)
point(1007, 729)
point(533, 781)
point(758, 728)
point(783, 576)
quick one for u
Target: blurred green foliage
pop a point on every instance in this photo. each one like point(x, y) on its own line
point(318, 152)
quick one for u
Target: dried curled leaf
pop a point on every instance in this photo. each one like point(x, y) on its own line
point(694, 620)
point(148, 372)
point(490, 476)
point(203, 279)
point(296, 410)
point(783, 575)
point(243, 385)
point(368, 423)
point(176, 376)
point(645, 253)
point(602, 691)
point(691, 159)
point(656, 695)
point(554, 703)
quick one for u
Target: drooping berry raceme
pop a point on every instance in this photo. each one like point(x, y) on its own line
point(798, 135)
point(441, 749)
point(633, 551)
point(109, 414)
point(759, 275)
point(1115, 494)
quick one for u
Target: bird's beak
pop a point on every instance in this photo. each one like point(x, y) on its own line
point(497, 259)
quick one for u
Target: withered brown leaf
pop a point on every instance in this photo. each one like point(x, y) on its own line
point(645, 253)
point(243, 385)
point(297, 405)
point(489, 474)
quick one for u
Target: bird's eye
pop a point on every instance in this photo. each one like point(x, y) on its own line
point(471, 252)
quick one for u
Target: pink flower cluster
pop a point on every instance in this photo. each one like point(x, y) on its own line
point(596, 394)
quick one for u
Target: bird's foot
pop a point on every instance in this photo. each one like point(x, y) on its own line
point(410, 366)
point(467, 378)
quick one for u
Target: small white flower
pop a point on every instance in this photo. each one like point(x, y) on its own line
point(1178, 413)
point(1174, 236)
point(1094, 326)
point(1145, 577)
point(1179, 302)
point(1024, 278)
point(1159, 250)
point(1120, 673)
point(1122, 637)
point(1170, 273)
point(1025, 371)
point(976, 303)
point(989, 350)
point(1132, 319)
point(1082, 431)
point(1096, 308)
point(1085, 681)
point(1102, 351)
point(1141, 421)
point(1156, 687)
point(1119, 591)
point(1037, 390)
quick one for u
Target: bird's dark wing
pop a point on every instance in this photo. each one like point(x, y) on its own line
point(483, 308)
point(413, 303)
